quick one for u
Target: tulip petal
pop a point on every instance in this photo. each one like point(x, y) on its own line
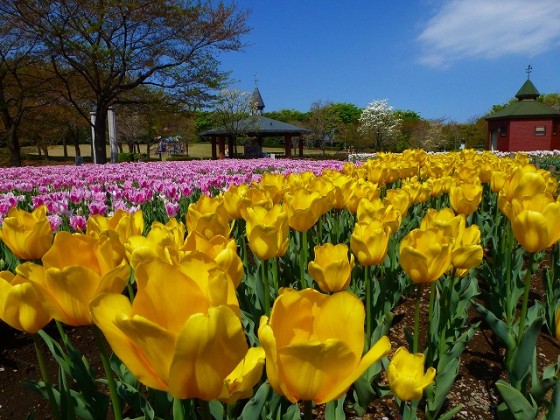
point(268, 341)
point(342, 315)
point(379, 350)
point(161, 286)
point(208, 349)
point(531, 230)
point(312, 370)
point(142, 346)
point(72, 287)
point(23, 309)
point(239, 383)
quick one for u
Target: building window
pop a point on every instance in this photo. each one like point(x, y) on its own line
point(503, 131)
point(540, 130)
point(555, 130)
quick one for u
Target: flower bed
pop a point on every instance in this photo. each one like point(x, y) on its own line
point(195, 273)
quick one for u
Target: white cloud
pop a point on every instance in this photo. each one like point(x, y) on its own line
point(489, 29)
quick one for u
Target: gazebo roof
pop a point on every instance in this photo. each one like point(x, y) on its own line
point(526, 106)
point(527, 91)
point(257, 125)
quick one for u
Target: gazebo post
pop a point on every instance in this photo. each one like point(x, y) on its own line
point(288, 145)
point(300, 146)
point(231, 149)
point(214, 154)
point(221, 146)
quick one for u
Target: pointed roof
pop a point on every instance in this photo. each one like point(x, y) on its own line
point(257, 100)
point(527, 91)
point(526, 106)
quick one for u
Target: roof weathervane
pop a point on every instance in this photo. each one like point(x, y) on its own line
point(528, 71)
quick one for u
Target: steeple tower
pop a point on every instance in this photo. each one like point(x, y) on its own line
point(257, 103)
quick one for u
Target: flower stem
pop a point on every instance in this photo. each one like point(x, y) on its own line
point(307, 413)
point(264, 274)
point(524, 305)
point(508, 252)
point(367, 282)
point(100, 341)
point(205, 410)
point(275, 274)
point(303, 259)
point(45, 376)
point(416, 320)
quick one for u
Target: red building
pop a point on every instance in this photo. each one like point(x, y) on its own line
point(524, 125)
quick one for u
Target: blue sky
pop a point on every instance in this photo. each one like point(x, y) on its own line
point(450, 59)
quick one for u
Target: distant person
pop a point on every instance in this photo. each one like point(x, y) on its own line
point(462, 146)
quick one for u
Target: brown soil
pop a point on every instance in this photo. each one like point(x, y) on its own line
point(481, 367)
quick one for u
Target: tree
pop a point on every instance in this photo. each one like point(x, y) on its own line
point(380, 123)
point(410, 121)
point(428, 135)
point(348, 113)
point(23, 86)
point(323, 120)
point(289, 116)
point(118, 45)
point(231, 113)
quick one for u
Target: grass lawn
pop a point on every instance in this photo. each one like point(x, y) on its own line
point(200, 150)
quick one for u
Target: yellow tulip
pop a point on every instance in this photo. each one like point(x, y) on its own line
point(208, 216)
point(467, 252)
point(197, 349)
point(275, 185)
point(399, 199)
point(535, 221)
point(370, 241)
point(314, 343)
point(406, 375)
point(340, 183)
point(425, 255)
point(331, 268)
point(378, 209)
point(255, 196)
point(220, 249)
point(76, 269)
point(465, 198)
point(498, 180)
point(232, 199)
point(357, 190)
point(304, 207)
point(267, 231)
point(20, 305)
point(28, 235)
point(163, 240)
point(445, 219)
point(125, 224)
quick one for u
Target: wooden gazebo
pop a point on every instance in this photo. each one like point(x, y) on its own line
point(257, 127)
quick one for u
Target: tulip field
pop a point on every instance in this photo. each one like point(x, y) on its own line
point(269, 288)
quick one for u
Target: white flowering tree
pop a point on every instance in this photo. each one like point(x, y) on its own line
point(380, 124)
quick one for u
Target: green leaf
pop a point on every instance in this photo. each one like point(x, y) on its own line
point(292, 413)
point(216, 409)
point(445, 377)
point(554, 408)
point(254, 407)
point(539, 390)
point(363, 394)
point(522, 355)
point(518, 406)
point(451, 413)
point(497, 326)
point(334, 410)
